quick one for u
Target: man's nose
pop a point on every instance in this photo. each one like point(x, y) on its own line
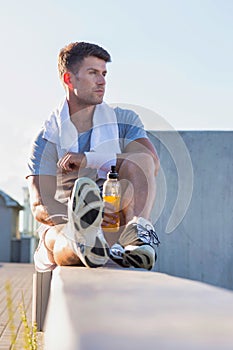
point(101, 80)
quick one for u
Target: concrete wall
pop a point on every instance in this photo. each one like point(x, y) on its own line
point(5, 232)
point(22, 250)
point(201, 246)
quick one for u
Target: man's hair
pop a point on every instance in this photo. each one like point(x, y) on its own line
point(74, 53)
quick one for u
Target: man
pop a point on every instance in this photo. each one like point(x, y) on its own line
point(69, 161)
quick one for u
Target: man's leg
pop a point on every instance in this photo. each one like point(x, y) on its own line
point(80, 241)
point(137, 243)
point(139, 187)
point(59, 247)
point(53, 249)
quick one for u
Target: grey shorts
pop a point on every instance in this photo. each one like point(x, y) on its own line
point(41, 258)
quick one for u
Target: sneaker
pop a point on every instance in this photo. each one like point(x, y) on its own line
point(117, 254)
point(138, 243)
point(85, 213)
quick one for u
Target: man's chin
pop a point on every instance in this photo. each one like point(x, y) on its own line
point(100, 100)
point(95, 101)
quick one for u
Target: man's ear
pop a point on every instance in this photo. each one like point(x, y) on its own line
point(67, 79)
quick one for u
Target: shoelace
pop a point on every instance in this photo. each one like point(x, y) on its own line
point(148, 233)
point(116, 251)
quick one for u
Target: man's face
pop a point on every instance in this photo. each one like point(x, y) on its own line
point(89, 82)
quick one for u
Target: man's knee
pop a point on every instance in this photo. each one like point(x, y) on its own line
point(136, 162)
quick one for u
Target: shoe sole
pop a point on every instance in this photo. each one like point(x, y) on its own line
point(86, 206)
point(143, 256)
point(120, 261)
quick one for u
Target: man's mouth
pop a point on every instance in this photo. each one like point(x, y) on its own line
point(100, 91)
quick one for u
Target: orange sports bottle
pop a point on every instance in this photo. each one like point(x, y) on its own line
point(111, 194)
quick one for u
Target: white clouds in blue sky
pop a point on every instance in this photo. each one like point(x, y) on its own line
point(173, 57)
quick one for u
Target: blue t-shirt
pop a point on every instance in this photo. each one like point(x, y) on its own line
point(43, 158)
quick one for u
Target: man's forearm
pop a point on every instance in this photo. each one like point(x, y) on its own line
point(53, 213)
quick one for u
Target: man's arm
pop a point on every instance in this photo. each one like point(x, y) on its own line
point(73, 161)
point(141, 145)
point(45, 208)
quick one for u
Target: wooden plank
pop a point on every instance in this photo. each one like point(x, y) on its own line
point(20, 278)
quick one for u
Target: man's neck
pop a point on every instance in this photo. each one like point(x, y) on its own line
point(81, 116)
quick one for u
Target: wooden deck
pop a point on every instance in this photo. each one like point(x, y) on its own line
point(19, 276)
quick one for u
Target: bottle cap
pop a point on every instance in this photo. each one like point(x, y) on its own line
point(113, 173)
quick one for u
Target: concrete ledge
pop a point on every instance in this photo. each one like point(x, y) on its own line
point(109, 308)
point(40, 296)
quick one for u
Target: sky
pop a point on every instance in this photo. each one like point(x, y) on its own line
point(171, 57)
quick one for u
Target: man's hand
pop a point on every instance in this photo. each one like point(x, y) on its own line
point(72, 161)
point(45, 208)
point(110, 215)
